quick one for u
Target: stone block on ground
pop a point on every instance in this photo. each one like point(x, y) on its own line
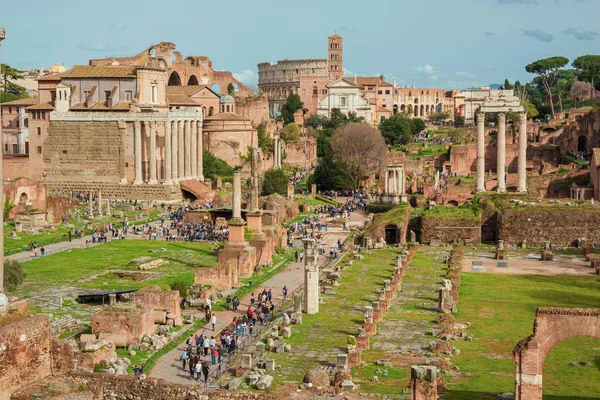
point(270, 365)
point(317, 377)
point(234, 383)
point(264, 382)
point(348, 385)
point(286, 332)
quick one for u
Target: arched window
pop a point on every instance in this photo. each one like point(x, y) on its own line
point(154, 93)
point(211, 111)
point(315, 91)
point(227, 107)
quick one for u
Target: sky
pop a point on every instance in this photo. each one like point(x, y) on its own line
point(448, 44)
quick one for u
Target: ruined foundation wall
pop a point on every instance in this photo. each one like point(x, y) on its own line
point(560, 225)
point(24, 353)
point(121, 387)
point(450, 230)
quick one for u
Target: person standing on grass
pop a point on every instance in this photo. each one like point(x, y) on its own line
point(213, 320)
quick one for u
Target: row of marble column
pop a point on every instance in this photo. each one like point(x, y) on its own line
point(99, 200)
point(394, 181)
point(183, 151)
point(501, 153)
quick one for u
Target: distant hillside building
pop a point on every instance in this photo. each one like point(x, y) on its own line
point(307, 77)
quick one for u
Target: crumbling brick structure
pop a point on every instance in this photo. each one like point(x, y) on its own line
point(131, 321)
point(24, 352)
point(552, 325)
point(423, 382)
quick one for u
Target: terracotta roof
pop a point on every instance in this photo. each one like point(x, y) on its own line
point(100, 71)
point(103, 106)
point(382, 109)
point(42, 106)
point(226, 117)
point(181, 100)
point(349, 81)
point(184, 90)
point(366, 80)
point(50, 77)
point(28, 101)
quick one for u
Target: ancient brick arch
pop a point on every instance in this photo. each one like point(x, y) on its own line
point(551, 326)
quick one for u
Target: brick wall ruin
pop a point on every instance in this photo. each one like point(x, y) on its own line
point(560, 225)
point(24, 352)
point(445, 230)
point(133, 322)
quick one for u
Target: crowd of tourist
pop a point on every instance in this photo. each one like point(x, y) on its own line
point(580, 155)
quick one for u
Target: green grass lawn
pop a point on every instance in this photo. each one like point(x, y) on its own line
point(324, 335)
point(60, 232)
point(501, 309)
point(83, 267)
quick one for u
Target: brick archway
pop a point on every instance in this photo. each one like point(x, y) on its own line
point(551, 326)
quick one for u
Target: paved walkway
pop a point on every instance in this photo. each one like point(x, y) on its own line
point(169, 367)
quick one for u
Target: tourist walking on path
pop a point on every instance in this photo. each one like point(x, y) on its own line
point(213, 320)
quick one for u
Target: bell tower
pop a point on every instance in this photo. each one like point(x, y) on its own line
point(334, 57)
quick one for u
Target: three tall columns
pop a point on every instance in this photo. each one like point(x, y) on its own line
point(182, 158)
point(501, 153)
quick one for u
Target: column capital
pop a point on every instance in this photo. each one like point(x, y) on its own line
point(522, 117)
point(481, 117)
point(501, 116)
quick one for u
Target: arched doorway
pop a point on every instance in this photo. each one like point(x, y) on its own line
point(211, 111)
point(552, 326)
point(193, 81)
point(452, 203)
point(395, 109)
point(174, 79)
point(582, 144)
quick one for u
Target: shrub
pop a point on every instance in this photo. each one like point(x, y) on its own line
point(214, 166)
point(13, 275)
point(291, 132)
point(275, 181)
point(184, 288)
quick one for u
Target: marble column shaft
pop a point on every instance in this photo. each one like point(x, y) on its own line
point(501, 152)
point(199, 143)
point(137, 150)
point(187, 148)
point(174, 151)
point(100, 202)
point(522, 161)
point(168, 173)
point(180, 155)
point(237, 196)
point(193, 149)
point(480, 152)
point(151, 128)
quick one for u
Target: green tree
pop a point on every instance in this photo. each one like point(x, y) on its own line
point(360, 149)
point(417, 125)
point(590, 65)
point(13, 275)
point(330, 175)
point(213, 166)
point(291, 132)
point(507, 85)
point(337, 119)
point(184, 288)
point(459, 121)
point(231, 89)
point(8, 206)
point(275, 181)
point(316, 121)
point(265, 143)
point(397, 130)
point(292, 104)
point(547, 69)
point(439, 117)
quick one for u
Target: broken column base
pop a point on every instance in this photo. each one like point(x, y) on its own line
point(423, 382)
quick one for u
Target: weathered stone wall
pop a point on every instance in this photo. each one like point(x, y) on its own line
point(301, 153)
point(15, 167)
point(122, 387)
point(560, 225)
point(84, 151)
point(134, 322)
point(445, 230)
point(25, 193)
point(157, 299)
point(59, 207)
point(255, 108)
point(24, 352)
point(120, 191)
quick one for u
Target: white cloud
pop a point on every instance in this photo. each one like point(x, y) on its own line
point(424, 69)
point(246, 76)
point(94, 47)
point(489, 67)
